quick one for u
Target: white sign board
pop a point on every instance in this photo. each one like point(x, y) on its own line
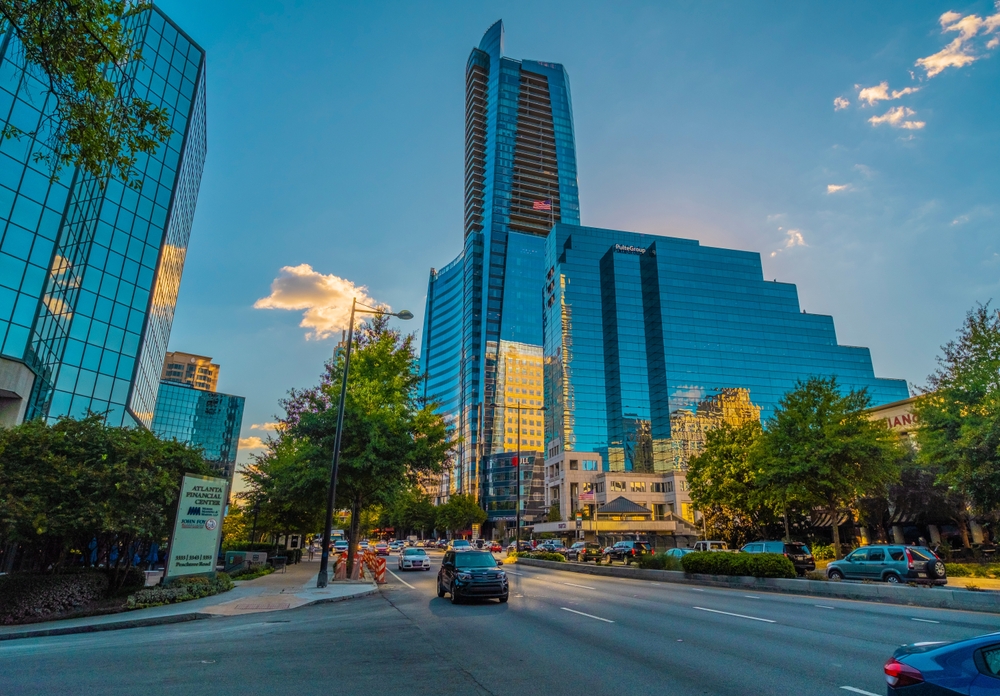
point(198, 527)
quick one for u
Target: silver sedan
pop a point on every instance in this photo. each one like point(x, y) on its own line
point(414, 559)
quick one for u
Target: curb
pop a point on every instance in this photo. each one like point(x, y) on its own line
point(110, 626)
point(936, 598)
point(331, 600)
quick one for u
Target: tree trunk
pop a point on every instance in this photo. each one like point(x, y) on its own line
point(836, 533)
point(788, 534)
point(963, 528)
point(352, 549)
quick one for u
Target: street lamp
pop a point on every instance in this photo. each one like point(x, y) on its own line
point(517, 510)
point(324, 559)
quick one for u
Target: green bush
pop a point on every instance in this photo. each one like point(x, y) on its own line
point(973, 570)
point(133, 581)
point(30, 597)
point(758, 565)
point(180, 590)
point(660, 561)
point(823, 552)
point(540, 556)
point(252, 572)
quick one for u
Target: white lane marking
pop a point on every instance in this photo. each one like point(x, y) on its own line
point(401, 580)
point(750, 596)
point(573, 584)
point(925, 620)
point(742, 616)
point(511, 572)
point(589, 616)
point(858, 691)
point(823, 606)
point(696, 589)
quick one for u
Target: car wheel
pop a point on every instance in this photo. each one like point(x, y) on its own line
point(455, 599)
point(440, 589)
point(893, 579)
point(835, 574)
point(503, 599)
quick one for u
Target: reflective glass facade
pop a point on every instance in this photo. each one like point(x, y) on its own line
point(520, 179)
point(640, 328)
point(205, 419)
point(89, 276)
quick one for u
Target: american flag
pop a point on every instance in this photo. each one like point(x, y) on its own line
point(542, 205)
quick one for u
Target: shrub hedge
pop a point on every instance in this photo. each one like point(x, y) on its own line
point(660, 561)
point(180, 590)
point(973, 570)
point(540, 556)
point(823, 552)
point(31, 597)
point(758, 565)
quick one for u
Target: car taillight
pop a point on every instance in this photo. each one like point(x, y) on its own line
point(909, 559)
point(899, 674)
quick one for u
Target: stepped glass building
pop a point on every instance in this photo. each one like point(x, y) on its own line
point(90, 270)
point(482, 337)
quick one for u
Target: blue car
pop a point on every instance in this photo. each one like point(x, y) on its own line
point(970, 667)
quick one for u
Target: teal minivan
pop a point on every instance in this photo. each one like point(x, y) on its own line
point(890, 563)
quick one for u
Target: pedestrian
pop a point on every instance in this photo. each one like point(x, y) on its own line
point(312, 551)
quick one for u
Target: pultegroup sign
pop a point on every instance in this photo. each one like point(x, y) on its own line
point(198, 527)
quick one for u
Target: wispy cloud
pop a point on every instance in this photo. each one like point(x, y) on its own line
point(897, 118)
point(252, 442)
point(840, 103)
point(960, 51)
point(266, 426)
point(793, 238)
point(836, 188)
point(326, 299)
point(880, 92)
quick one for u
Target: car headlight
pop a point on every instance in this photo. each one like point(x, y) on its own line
point(464, 576)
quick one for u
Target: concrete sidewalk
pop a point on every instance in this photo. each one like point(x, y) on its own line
point(296, 587)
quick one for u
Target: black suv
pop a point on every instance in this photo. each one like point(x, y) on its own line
point(797, 553)
point(628, 551)
point(469, 574)
point(584, 551)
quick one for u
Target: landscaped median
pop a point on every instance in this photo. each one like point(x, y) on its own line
point(937, 597)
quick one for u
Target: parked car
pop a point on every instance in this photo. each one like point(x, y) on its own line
point(524, 546)
point(440, 544)
point(413, 559)
point(964, 667)
point(890, 563)
point(711, 546)
point(496, 547)
point(628, 551)
point(479, 543)
point(459, 545)
point(584, 551)
point(551, 546)
point(468, 574)
point(678, 552)
point(797, 553)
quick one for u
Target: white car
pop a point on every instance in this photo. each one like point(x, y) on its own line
point(414, 559)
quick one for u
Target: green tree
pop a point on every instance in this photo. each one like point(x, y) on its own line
point(77, 52)
point(65, 485)
point(554, 514)
point(459, 513)
point(959, 413)
point(410, 510)
point(723, 483)
point(391, 436)
point(822, 450)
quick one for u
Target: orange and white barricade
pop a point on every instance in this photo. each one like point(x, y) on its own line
point(380, 571)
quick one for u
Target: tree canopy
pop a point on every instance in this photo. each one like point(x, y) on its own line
point(459, 513)
point(78, 52)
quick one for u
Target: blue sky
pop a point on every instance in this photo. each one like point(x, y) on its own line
point(336, 137)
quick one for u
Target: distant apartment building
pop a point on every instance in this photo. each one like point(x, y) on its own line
point(90, 269)
point(197, 370)
point(198, 415)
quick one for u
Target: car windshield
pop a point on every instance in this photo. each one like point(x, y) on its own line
point(475, 559)
point(460, 543)
point(414, 552)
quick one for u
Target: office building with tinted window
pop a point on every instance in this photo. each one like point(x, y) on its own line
point(650, 340)
point(89, 273)
point(520, 180)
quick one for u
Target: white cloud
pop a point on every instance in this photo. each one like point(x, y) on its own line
point(840, 103)
point(686, 396)
point(960, 51)
point(880, 92)
point(793, 239)
point(326, 299)
point(266, 426)
point(835, 188)
point(896, 117)
point(252, 442)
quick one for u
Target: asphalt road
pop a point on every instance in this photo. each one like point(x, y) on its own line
point(561, 633)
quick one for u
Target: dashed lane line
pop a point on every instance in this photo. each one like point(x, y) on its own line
point(858, 691)
point(573, 584)
point(741, 616)
point(823, 606)
point(401, 580)
point(589, 616)
point(925, 620)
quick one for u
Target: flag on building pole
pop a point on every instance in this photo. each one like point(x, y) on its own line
point(542, 205)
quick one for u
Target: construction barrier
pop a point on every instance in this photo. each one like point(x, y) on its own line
point(340, 567)
point(380, 571)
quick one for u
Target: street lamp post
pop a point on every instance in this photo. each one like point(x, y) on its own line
point(517, 474)
point(324, 559)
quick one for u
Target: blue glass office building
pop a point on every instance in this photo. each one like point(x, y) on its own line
point(89, 275)
point(520, 179)
point(205, 419)
point(639, 326)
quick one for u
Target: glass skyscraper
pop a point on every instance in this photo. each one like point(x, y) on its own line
point(481, 347)
point(642, 331)
point(89, 275)
point(206, 419)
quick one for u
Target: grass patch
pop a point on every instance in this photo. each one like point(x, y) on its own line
point(973, 570)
